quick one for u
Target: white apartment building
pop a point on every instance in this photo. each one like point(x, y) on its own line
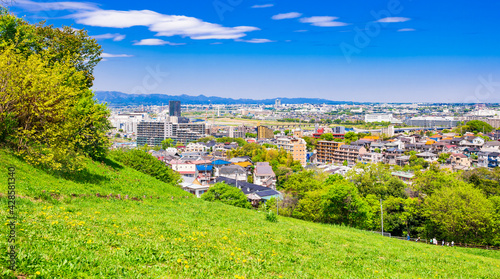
point(381, 117)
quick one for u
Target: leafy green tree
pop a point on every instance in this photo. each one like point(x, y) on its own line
point(350, 137)
point(342, 204)
point(428, 182)
point(486, 180)
point(460, 213)
point(54, 45)
point(443, 157)
point(327, 136)
point(50, 113)
point(166, 143)
point(310, 207)
point(477, 126)
point(300, 183)
point(221, 192)
point(376, 179)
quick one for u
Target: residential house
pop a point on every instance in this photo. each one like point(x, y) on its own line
point(259, 191)
point(391, 154)
point(204, 173)
point(372, 157)
point(264, 175)
point(402, 160)
point(194, 187)
point(195, 147)
point(218, 164)
point(233, 172)
point(459, 160)
point(406, 177)
point(428, 156)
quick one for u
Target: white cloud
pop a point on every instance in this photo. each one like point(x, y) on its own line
point(323, 21)
point(156, 42)
point(55, 6)
point(116, 36)
point(300, 31)
point(406, 30)
point(286, 16)
point(109, 55)
point(163, 25)
point(393, 19)
point(263, 6)
point(257, 41)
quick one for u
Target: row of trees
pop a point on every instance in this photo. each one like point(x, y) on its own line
point(463, 207)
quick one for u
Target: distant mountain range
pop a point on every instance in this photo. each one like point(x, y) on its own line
point(114, 98)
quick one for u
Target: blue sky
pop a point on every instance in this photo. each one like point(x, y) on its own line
point(358, 50)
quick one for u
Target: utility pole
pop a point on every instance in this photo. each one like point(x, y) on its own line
point(382, 217)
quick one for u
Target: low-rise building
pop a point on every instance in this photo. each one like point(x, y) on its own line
point(349, 153)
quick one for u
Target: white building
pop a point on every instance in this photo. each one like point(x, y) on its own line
point(381, 117)
point(128, 122)
point(195, 147)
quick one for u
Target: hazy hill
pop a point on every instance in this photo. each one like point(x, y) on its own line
point(119, 98)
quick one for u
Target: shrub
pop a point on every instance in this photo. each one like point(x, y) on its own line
point(147, 164)
point(226, 194)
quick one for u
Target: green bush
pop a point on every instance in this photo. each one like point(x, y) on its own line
point(226, 194)
point(271, 216)
point(147, 164)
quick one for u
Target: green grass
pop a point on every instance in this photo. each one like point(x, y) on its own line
point(90, 237)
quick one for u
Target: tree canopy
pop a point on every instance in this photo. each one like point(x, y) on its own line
point(49, 111)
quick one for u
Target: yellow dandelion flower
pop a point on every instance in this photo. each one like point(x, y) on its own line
point(244, 261)
point(187, 266)
point(185, 262)
point(179, 260)
point(37, 273)
point(232, 254)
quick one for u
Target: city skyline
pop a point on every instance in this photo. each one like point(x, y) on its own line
point(389, 51)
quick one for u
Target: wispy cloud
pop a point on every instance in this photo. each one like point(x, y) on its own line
point(163, 25)
point(262, 6)
point(323, 21)
point(406, 30)
point(393, 19)
point(115, 37)
point(286, 16)
point(55, 6)
point(109, 55)
point(257, 41)
point(156, 42)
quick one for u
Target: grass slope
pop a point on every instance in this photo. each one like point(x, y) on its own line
point(90, 237)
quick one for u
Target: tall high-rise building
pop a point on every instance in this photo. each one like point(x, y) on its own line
point(277, 103)
point(174, 108)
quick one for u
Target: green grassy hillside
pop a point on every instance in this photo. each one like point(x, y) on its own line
point(165, 237)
